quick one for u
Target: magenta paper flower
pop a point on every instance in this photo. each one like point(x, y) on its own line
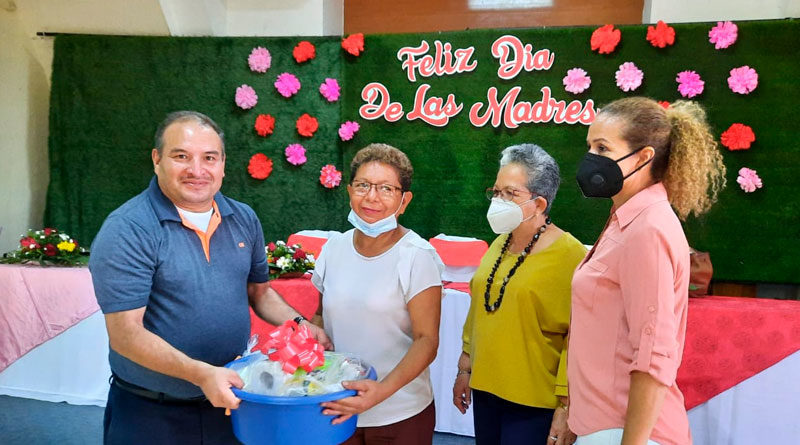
point(743, 80)
point(329, 176)
point(629, 77)
point(330, 90)
point(576, 81)
point(723, 35)
point(246, 97)
point(295, 154)
point(287, 85)
point(748, 180)
point(347, 130)
point(689, 83)
point(260, 60)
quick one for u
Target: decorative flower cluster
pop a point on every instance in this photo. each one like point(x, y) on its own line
point(283, 258)
point(47, 247)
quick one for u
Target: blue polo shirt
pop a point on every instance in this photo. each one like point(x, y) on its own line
point(144, 256)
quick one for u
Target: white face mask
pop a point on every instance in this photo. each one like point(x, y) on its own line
point(379, 227)
point(505, 216)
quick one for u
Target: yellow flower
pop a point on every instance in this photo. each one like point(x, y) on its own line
point(66, 245)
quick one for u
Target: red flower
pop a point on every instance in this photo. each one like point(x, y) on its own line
point(605, 39)
point(299, 254)
point(271, 247)
point(265, 124)
point(354, 44)
point(49, 230)
point(260, 166)
point(664, 104)
point(304, 51)
point(50, 250)
point(661, 35)
point(28, 243)
point(307, 125)
point(738, 137)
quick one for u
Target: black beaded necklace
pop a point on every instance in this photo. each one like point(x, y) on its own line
point(496, 305)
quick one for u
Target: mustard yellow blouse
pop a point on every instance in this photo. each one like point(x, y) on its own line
point(519, 352)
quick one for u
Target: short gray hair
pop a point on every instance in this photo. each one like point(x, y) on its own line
point(544, 176)
point(185, 116)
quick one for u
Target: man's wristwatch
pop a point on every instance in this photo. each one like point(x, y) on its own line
point(299, 319)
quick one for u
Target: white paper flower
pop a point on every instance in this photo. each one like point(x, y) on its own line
point(284, 262)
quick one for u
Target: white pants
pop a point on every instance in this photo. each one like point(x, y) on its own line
point(605, 437)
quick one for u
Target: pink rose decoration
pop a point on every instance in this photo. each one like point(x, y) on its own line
point(295, 154)
point(347, 130)
point(246, 97)
point(329, 176)
point(576, 81)
point(330, 90)
point(723, 35)
point(287, 85)
point(689, 83)
point(259, 60)
point(743, 80)
point(748, 180)
point(629, 77)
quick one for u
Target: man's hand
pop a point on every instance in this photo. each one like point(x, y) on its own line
point(216, 383)
point(319, 335)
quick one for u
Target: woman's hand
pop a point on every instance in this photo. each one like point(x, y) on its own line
point(370, 393)
point(462, 394)
point(560, 430)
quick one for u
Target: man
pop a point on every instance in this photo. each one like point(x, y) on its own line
point(174, 269)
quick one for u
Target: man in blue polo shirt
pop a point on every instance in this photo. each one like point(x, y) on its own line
point(175, 270)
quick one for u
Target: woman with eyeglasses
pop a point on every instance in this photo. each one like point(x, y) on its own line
point(513, 365)
point(381, 299)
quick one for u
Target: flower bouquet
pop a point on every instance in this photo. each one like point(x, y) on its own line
point(47, 247)
point(288, 261)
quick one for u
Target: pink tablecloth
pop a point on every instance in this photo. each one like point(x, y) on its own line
point(38, 303)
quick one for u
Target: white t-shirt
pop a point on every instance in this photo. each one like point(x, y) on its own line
point(364, 309)
point(199, 219)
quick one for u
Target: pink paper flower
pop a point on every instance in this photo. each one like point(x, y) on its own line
point(743, 80)
point(629, 77)
point(748, 180)
point(330, 90)
point(689, 83)
point(246, 97)
point(576, 81)
point(723, 35)
point(259, 60)
point(295, 154)
point(347, 130)
point(329, 176)
point(287, 85)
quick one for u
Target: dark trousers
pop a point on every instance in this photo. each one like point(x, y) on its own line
point(500, 422)
point(131, 419)
point(416, 430)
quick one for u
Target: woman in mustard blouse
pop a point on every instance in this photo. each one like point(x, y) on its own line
point(513, 364)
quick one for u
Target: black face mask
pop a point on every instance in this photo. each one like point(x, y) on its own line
point(601, 177)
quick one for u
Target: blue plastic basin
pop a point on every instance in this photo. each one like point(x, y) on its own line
point(264, 419)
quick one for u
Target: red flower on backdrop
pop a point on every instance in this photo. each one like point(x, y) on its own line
point(661, 35)
point(265, 124)
point(260, 166)
point(50, 250)
point(299, 254)
point(49, 230)
point(605, 39)
point(664, 104)
point(354, 44)
point(307, 125)
point(271, 246)
point(738, 137)
point(28, 243)
point(304, 51)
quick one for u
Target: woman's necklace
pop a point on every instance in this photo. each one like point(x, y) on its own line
point(493, 307)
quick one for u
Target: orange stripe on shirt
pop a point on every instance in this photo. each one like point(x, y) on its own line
point(205, 237)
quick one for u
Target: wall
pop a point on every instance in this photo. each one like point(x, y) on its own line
point(675, 11)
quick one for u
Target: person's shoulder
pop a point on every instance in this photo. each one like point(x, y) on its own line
point(136, 211)
point(239, 208)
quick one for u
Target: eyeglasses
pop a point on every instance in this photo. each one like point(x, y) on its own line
point(362, 188)
point(506, 194)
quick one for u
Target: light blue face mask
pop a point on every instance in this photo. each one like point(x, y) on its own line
point(379, 227)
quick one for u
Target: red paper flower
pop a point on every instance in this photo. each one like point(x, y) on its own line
point(260, 166)
point(329, 176)
point(661, 35)
point(49, 231)
point(50, 250)
point(738, 137)
point(271, 246)
point(664, 104)
point(28, 243)
point(265, 124)
point(304, 51)
point(354, 44)
point(307, 125)
point(605, 39)
point(299, 254)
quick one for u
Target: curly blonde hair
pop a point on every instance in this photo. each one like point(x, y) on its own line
point(385, 154)
point(686, 159)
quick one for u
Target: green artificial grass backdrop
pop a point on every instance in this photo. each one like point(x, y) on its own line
point(109, 93)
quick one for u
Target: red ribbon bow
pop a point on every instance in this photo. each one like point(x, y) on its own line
point(294, 347)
